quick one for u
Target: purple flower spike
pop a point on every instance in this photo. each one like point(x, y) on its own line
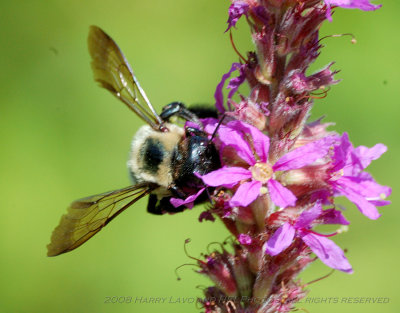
point(364, 5)
point(236, 10)
point(280, 175)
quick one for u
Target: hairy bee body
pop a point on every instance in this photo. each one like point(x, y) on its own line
point(171, 160)
point(164, 160)
point(151, 154)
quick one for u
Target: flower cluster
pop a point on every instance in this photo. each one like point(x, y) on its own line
point(280, 174)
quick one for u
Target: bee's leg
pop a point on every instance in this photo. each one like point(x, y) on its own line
point(179, 109)
point(166, 206)
point(152, 206)
point(177, 192)
point(160, 207)
point(208, 194)
point(204, 111)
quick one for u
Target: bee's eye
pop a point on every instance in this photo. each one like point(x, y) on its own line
point(152, 153)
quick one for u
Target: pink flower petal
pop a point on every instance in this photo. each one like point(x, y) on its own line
point(357, 159)
point(231, 137)
point(192, 124)
point(280, 240)
point(341, 152)
point(305, 155)
point(328, 252)
point(368, 188)
point(380, 202)
point(246, 194)
point(218, 95)
point(332, 216)
point(235, 82)
point(259, 140)
point(308, 216)
point(365, 156)
point(188, 202)
point(236, 10)
point(209, 124)
point(226, 176)
point(365, 207)
point(280, 195)
point(364, 5)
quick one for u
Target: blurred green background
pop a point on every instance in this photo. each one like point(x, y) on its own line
point(64, 138)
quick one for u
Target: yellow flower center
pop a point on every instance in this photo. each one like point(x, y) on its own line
point(262, 172)
point(335, 176)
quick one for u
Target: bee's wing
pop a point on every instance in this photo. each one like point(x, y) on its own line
point(87, 216)
point(113, 72)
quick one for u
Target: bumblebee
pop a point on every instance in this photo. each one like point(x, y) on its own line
point(163, 160)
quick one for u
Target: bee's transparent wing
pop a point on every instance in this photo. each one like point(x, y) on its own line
point(87, 216)
point(113, 72)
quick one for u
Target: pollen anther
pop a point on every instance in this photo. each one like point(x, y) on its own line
point(262, 172)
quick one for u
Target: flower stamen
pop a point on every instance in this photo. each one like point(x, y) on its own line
point(235, 49)
point(262, 172)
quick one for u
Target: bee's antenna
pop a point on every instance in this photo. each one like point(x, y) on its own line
point(216, 128)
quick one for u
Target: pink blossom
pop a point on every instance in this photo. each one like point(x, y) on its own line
point(236, 10)
point(325, 249)
point(364, 5)
point(251, 181)
point(348, 178)
point(233, 84)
